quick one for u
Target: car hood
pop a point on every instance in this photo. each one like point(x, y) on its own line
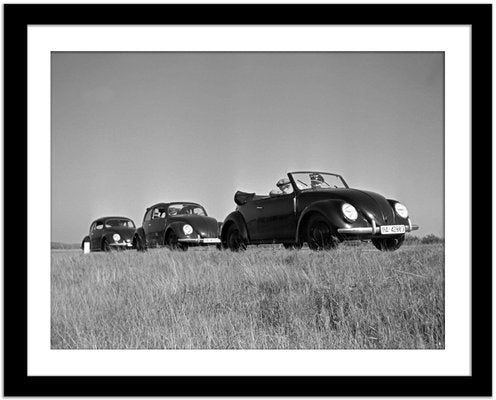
point(125, 232)
point(369, 204)
point(205, 226)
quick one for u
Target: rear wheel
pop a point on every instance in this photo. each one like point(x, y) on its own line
point(138, 243)
point(173, 243)
point(388, 244)
point(235, 241)
point(319, 234)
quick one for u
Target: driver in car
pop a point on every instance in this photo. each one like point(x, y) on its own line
point(316, 180)
point(283, 187)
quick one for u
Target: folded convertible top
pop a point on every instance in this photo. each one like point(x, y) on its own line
point(241, 198)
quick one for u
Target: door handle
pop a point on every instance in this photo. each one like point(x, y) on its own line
point(259, 207)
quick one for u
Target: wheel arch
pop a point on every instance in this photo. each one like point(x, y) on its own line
point(85, 239)
point(237, 219)
point(327, 209)
point(174, 227)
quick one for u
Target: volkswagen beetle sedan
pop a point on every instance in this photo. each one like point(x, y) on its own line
point(317, 208)
point(177, 226)
point(108, 233)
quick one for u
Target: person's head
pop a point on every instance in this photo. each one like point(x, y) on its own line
point(316, 180)
point(283, 184)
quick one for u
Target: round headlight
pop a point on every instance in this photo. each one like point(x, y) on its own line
point(116, 237)
point(349, 212)
point(401, 210)
point(187, 229)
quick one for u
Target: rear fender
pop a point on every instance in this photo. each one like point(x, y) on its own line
point(141, 233)
point(86, 239)
point(234, 218)
point(330, 210)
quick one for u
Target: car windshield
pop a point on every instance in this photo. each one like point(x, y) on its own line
point(119, 222)
point(186, 209)
point(318, 180)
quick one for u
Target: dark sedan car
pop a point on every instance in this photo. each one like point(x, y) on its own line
point(108, 233)
point(317, 208)
point(177, 226)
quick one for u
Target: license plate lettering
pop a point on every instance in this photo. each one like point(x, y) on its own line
point(392, 229)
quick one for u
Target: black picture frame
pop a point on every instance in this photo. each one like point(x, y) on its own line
point(17, 17)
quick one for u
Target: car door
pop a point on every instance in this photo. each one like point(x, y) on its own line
point(146, 223)
point(96, 235)
point(156, 227)
point(276, 219)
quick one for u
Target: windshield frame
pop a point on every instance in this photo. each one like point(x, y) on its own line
point(297, 189)
point(189, 204)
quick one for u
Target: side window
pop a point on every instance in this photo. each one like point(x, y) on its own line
point(148, 215)
point(158, 212)
point(99, 225)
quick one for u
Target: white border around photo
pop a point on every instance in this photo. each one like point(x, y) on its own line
point(455, 359)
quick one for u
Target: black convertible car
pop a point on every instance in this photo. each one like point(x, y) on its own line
point(177, 226)
point(108, 233)
point(318, 208)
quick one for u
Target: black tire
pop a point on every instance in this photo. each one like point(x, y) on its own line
point(173, 244)
point(319, 235)
point(138, 243)
point(105, 245)
point(234, 239)
point(292, 246)
point(388, 244)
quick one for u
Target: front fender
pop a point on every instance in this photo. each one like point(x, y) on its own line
point(329, 209)
point(398, 219)
point(234, 218)
point(175, 227)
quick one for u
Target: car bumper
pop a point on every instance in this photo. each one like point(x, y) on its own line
point(199, 240)
point(125, 245)
point(373, 230)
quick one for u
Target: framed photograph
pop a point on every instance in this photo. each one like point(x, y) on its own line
point(248, 199)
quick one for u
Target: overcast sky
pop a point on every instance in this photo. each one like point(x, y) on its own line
point(133, 129)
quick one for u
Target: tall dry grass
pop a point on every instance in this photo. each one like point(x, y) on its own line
point(352, 298)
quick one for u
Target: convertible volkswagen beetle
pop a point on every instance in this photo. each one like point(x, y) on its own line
point(108, 233)
point(177, 226)
point(317, 208)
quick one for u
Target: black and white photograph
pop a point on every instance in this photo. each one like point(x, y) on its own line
point(270, 200)
point(247, 199)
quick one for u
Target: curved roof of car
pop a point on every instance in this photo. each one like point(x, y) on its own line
point(174, 202)
point(112, 217)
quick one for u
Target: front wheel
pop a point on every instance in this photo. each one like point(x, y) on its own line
point(235, 241)
point(319, 234)
point(105, 245)
point(388, 244)
point(173, 243)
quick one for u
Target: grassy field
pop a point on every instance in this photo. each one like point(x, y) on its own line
point(264, 298)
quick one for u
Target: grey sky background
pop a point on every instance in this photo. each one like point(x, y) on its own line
point(133, 129)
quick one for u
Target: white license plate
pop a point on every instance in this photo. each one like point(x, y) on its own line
point(392, 229)
point(211, 240)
